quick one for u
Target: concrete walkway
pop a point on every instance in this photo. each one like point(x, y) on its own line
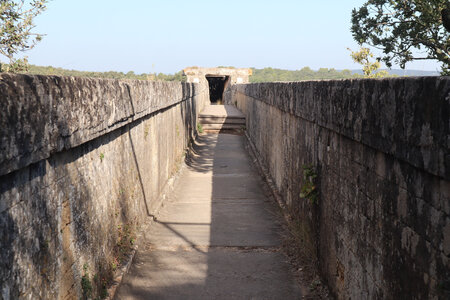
point(229, 111)
point(216, 237)
point(216, 118)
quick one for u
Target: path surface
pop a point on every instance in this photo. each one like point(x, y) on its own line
point(216, 237)
point(222, 110)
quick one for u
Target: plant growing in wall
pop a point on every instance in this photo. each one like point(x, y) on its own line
point(86, 284)
point(309, 187)
point(200, 128)
point(126, 236)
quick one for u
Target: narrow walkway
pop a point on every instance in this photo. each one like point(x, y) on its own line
point(219, 117)
point(217, 236)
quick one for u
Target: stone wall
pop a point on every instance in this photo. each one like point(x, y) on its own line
point(80, 160)
point(380, 149)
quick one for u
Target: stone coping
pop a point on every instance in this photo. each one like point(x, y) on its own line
point(41, 115)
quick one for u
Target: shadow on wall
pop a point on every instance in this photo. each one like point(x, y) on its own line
point(58, 226)
point(380, 217)
point(189, 110)
point(65, 221)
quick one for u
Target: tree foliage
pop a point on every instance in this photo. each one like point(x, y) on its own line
point(363, 57)
point(39, 70)
point(16, 25)
point(306, 73)
point(405, 30)
point(259, 75)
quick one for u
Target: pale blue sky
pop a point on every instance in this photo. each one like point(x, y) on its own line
point(168, 35)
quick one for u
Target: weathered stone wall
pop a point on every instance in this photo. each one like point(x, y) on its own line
point(381, 152)
point(80, 159)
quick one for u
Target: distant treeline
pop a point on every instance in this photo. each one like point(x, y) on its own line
point(258, 75)
point(38, 70)
point(270, 74)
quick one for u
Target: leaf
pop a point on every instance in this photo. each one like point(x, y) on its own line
point(397, 26)
point(15, 31)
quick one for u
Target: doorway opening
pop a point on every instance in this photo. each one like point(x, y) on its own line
point(217, 85)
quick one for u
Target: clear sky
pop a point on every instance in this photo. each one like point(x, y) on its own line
point(168, 35)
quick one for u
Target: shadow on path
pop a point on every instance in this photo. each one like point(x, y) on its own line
point(216, 236)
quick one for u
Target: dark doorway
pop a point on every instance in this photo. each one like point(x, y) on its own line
point(217, 85)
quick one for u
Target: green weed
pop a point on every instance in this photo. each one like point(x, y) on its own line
point(86, 285)
point(309, 188)
point(199, 128)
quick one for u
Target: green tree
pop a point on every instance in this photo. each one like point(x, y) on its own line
point(16, 25)
point(405, 30)
point(363, 57)
point(271, 74)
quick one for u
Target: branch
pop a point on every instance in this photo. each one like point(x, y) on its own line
point(422, 58)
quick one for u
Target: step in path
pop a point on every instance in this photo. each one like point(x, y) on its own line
point(217, 235)
point(221, 117)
